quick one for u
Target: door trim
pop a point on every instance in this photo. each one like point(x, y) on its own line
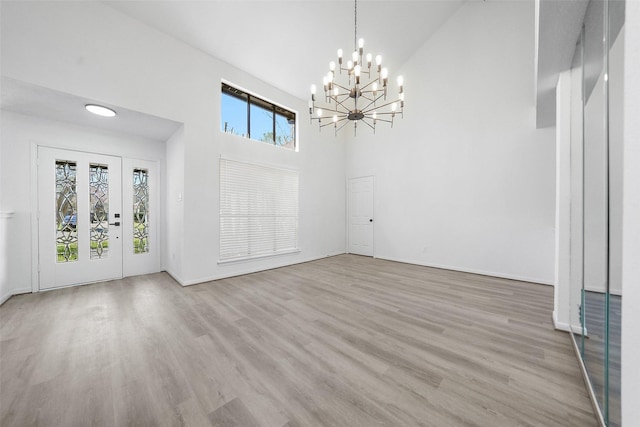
point(348, 225)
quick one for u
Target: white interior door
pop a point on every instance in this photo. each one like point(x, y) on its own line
point(361, 216)
point(79, 211)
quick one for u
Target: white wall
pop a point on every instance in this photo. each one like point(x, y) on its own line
point(465, 181)
point(19, 135)
point(90, 50)
point(630, 223)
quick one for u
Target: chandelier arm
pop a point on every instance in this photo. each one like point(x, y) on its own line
point(348, 89)
point(341, 104)
point(382, 120)
point(368, 124)
point(338, 129)
point(380, 106)
point(368, 84)
point(372, 102)
point(330, 110)
point(382, 113)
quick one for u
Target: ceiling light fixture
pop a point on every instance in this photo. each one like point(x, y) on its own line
point(362, 96)
point(100, 110)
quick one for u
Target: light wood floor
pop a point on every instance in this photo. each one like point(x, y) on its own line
point(344, 341)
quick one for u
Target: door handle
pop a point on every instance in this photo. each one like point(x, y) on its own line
point(370, 220)
point(117, 223)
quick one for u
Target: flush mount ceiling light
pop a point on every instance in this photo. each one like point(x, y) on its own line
point(361, 96)
point(100, 110)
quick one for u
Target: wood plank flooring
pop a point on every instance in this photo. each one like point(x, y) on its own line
point(343, 341)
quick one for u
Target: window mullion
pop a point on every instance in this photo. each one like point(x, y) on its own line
point(249, 116)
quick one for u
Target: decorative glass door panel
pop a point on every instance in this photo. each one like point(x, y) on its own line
point(99, 210)
point(66, 212)
point(79, 204)
point(141, 216)
point(140, 211)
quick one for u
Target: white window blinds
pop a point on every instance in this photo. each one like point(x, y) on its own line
point(258, 210)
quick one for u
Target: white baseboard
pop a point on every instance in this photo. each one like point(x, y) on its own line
point(566, 327)
point(248, 270)
point(19, 291)
point(473, 271)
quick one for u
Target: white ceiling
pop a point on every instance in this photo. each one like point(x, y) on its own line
point(289, 44)
point(32, 100)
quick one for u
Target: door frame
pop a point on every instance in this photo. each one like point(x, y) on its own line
point(348, 203)
point(155, 192)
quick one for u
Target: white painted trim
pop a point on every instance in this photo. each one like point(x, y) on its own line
point(473, 271)
point(562, 326)
point(348, 213)
point(5, 216)
point(34, 212)
point(15, 292)
point(250, 271)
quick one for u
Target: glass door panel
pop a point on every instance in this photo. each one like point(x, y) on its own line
point(595, 202)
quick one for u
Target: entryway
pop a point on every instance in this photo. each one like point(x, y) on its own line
point(97, 218)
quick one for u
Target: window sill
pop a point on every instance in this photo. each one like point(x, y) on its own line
point(256, 257)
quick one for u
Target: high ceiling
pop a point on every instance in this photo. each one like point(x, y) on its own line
point(289, 44)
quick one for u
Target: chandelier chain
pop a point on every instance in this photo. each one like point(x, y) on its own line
point(355, 24)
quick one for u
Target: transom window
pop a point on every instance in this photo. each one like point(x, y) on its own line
point(251, 117)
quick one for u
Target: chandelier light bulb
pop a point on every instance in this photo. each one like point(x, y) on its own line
point(319, 112)
point(354, 56)
point(394, 106)
point(361, 43)
point(335, 118)
point(369, 57)
point(329, 77)
point(374, 115)
point(313, 89)
point(336, 91)
point(378, 60)
point(374, 87)
point(332, 66)
point(400, 81)
point(356, 70)
point(385, 73)
point(349, 65)
point(402, 96)
point(340, 53)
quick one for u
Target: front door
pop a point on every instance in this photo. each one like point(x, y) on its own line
point(80, 223)
point(361, 216)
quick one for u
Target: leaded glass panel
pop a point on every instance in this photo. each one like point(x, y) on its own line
point(99, 210)
point(66, 212)
point(140, 211)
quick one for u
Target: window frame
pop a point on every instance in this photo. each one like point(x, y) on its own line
point(275, 110)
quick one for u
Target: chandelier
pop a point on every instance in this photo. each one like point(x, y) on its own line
point(356, 91)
